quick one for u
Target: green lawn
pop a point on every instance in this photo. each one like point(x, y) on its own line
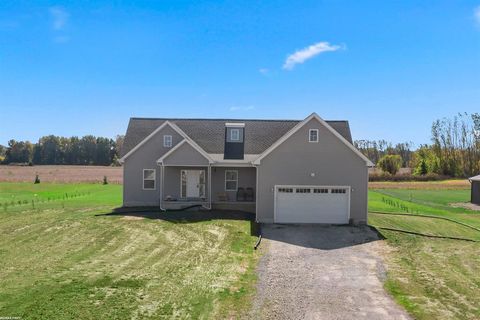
point(61, 257)
point(432, 278)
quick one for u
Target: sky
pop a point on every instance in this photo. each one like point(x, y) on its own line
point(85, 67)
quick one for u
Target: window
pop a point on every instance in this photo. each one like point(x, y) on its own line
point(285, 190)
point(231, 180)
point(148, 179)
point(313, 135)
point(235, 134)
point(302, 190)
point(167, 141)
point(321, 190)
point(339, 190)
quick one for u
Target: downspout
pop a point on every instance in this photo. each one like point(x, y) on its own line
point(162, 172)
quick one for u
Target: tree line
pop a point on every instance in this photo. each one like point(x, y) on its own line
point(55, 150)
point(454, 149)
point(376, 149)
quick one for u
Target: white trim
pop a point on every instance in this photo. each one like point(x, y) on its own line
point(178, 130)
point(232, 165)
point(234, 125)
point(309, 136)
point(163, 125)
point(238, 134)
point(300, 125)
point(191, 142)
point(154, 180)
point(165, 144)
point(236, 171)
point(171, 151)
point(275, 190)
point(184, 165)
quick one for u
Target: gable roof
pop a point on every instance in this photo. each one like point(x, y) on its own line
point(326, 125)
point(209, 134)
point(174, 127)
point(172, 151)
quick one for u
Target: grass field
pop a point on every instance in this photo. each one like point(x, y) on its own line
point(432, 278)
point(61, 257)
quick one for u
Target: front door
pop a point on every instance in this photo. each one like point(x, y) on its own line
point(193, 183)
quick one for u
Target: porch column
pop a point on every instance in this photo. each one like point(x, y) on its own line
point(210, 186)
point(161, 186)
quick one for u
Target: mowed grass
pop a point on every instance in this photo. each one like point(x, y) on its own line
point(432, 278)
point(63, 258)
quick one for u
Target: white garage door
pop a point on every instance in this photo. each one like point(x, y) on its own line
point(312, 204)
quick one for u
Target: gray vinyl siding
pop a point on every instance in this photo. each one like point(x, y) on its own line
point(145, 158)
point(332, 162)
point(185, 155)
point(475, 192)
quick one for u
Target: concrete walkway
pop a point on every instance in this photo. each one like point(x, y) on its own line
point(322, 272)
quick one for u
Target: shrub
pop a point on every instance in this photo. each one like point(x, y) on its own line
point(105, 181)
point(37, 179)
point(425, 161)
point(422, 168)
point(390, 163)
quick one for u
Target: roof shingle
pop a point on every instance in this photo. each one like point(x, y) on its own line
point(209, 134)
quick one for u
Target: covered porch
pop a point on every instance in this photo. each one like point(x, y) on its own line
point(190, 177)
point(208, 186)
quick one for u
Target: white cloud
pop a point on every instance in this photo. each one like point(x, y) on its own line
point(59, 17)
point(476, 14)
point(264, 71)
point(300, 56)
point(242, 108)
point(61, 39)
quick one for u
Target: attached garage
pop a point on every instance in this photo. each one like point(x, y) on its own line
point(312, 204)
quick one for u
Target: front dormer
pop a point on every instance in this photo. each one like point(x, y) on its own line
point(234, 140)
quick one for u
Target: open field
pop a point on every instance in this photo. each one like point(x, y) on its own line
point(433, 278)
point(62, 256)
point(460, 184)
point(61, 174)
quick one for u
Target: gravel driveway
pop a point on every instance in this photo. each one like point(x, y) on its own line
point(322, 272)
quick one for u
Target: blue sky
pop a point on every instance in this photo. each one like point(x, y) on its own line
point(85, 67)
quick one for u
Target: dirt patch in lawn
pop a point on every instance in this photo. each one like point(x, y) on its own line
point(132, 218)
point(466, 205)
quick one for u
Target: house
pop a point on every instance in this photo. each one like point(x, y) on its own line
point(286, 171)
point(475, 189)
